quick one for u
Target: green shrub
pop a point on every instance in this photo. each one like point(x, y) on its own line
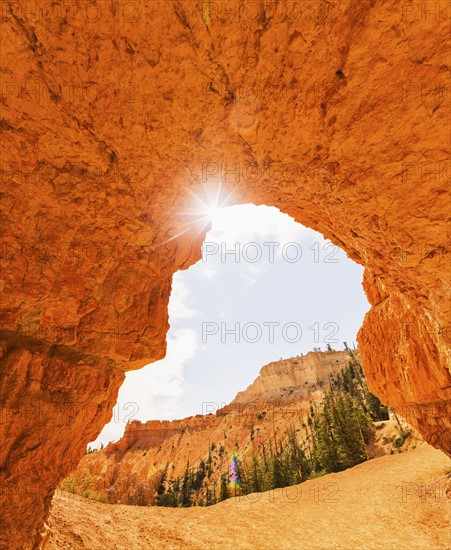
point(168, 500)
point(399, 441)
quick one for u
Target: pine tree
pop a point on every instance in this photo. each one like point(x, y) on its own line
point(276, 478)
point(377, 410)
point(223, 490)
point(255, 477)
point(186, 489)
point(161, 482)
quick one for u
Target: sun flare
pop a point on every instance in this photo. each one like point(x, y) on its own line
point(203, 210)
point(209, 204)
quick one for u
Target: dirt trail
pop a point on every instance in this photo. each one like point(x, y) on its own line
point(392, 502)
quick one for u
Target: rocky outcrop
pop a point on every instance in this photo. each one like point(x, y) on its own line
point(114, 116)
point(53, 401)
point(294, 378)
point(151, 434)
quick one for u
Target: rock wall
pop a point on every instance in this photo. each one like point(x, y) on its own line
point(294, 378)
point(115, 116)
point(150, 434)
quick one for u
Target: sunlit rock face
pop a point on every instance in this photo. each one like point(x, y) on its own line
point(114, 116)
point(293, 378)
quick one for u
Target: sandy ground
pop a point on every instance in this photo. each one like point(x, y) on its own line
point(393, 502)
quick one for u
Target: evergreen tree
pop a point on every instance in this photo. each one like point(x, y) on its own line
point(255, 476)
point(377, 410)
point(223, 490)
point(161, 482)
point(276, 473)
point(186, 489)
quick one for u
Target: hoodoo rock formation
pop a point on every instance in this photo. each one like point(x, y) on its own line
point(116, 116)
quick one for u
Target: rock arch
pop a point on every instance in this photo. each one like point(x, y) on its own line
point(114, 115)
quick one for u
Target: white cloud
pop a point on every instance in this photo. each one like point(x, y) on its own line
point(251, 235)
point(248, 279)
point(153, 392)
point(246, 223)
point(179, 307)
point(208, 272)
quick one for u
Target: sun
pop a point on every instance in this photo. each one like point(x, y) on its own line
point(207, 205)
point(203, 210)
point(212, 213)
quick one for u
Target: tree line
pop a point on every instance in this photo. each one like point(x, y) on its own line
point(335, 434)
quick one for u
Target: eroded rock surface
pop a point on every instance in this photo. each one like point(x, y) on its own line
point(295, 378)
point(115, 116)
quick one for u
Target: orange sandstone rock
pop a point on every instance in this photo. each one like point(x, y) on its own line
point(113, 116)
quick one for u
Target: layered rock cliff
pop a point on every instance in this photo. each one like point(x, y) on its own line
point(153, 433)
point(294, 378)
point(297, 381)
point(113, 116)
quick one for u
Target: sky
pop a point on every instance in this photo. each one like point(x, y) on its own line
point(266, 288)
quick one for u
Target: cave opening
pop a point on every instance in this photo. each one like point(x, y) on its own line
point(266, 288)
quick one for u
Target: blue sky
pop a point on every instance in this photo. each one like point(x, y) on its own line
point(266, 288)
